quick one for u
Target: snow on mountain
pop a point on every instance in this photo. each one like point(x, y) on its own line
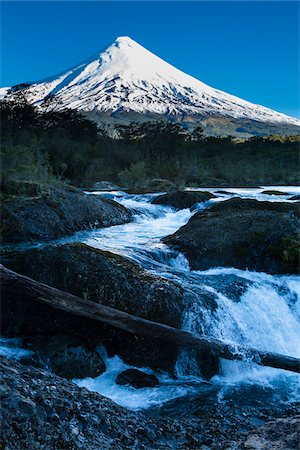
point(128, 78)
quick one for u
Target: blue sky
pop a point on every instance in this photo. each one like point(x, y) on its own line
point(250, 49)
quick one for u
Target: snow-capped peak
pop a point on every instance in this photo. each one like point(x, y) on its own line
point(126, 77)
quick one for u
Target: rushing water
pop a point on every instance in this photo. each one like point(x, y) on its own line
point(252, 309)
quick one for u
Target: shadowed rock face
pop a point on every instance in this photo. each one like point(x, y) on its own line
point(57, 212)
point(182, 199)
point(110, 279)
point(241, 233)
point(102, 277)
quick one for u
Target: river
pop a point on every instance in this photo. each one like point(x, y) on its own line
point(252, 309)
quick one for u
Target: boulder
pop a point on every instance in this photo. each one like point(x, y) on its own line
point(106, 186)
point(137, 379)
point(295, 197)
point(273, 192)
point(153, 185)
point(242, 233)
point(68, 357)
point(101, 277)
point(56, 212)
point(183, 199)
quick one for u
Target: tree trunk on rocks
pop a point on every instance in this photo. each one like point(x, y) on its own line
point(13, 284)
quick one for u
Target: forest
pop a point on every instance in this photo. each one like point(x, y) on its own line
point(50, 147)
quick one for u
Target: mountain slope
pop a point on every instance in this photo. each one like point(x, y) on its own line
point(127, 79)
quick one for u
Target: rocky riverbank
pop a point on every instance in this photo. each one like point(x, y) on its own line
point(51, 212)
point(43, 411)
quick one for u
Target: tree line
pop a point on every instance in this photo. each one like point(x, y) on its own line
point(51, 147)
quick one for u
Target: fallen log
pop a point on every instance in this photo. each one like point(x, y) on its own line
point(14, 284)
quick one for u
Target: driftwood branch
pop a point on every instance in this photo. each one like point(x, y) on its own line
point(30, 290)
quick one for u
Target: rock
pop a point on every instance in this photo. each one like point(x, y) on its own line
point(279, 434)
point(95, 422)
point(295, 197)
point(69, 358)
point(102, 277)
point(182, 199)
point(206, 395)
point(57, 212)
point(154, 185)
point(273, 192)
point(106, 186)
point(137, 379)
point(242, 233)
point(64, 416)
point(232, 286)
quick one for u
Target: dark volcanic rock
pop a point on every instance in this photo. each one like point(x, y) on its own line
point(137, 379)
point(42, 411)
point(102, 277)
point(57, 212)
point(152, 185)
point(69, 358)
point(106, 186)
point(182, 199)
point(278, 434)
point(241, 233)
point(273, 192)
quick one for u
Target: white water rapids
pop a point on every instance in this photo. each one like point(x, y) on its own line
point(252, 309)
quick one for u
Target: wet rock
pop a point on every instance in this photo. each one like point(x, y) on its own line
point(69, 358)
point(102, 277)
point(279, 434)
point(295, 197)
point(273, 192)
point(56, 212)
point(242, 233)
point(68, 417)
point(232, 286)
point(152, 185)
point(255, 421)
point(95, 421)
point(137, 379)
point(183, 199)
point(106, 186)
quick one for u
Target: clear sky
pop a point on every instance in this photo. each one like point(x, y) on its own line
point(250, 49)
